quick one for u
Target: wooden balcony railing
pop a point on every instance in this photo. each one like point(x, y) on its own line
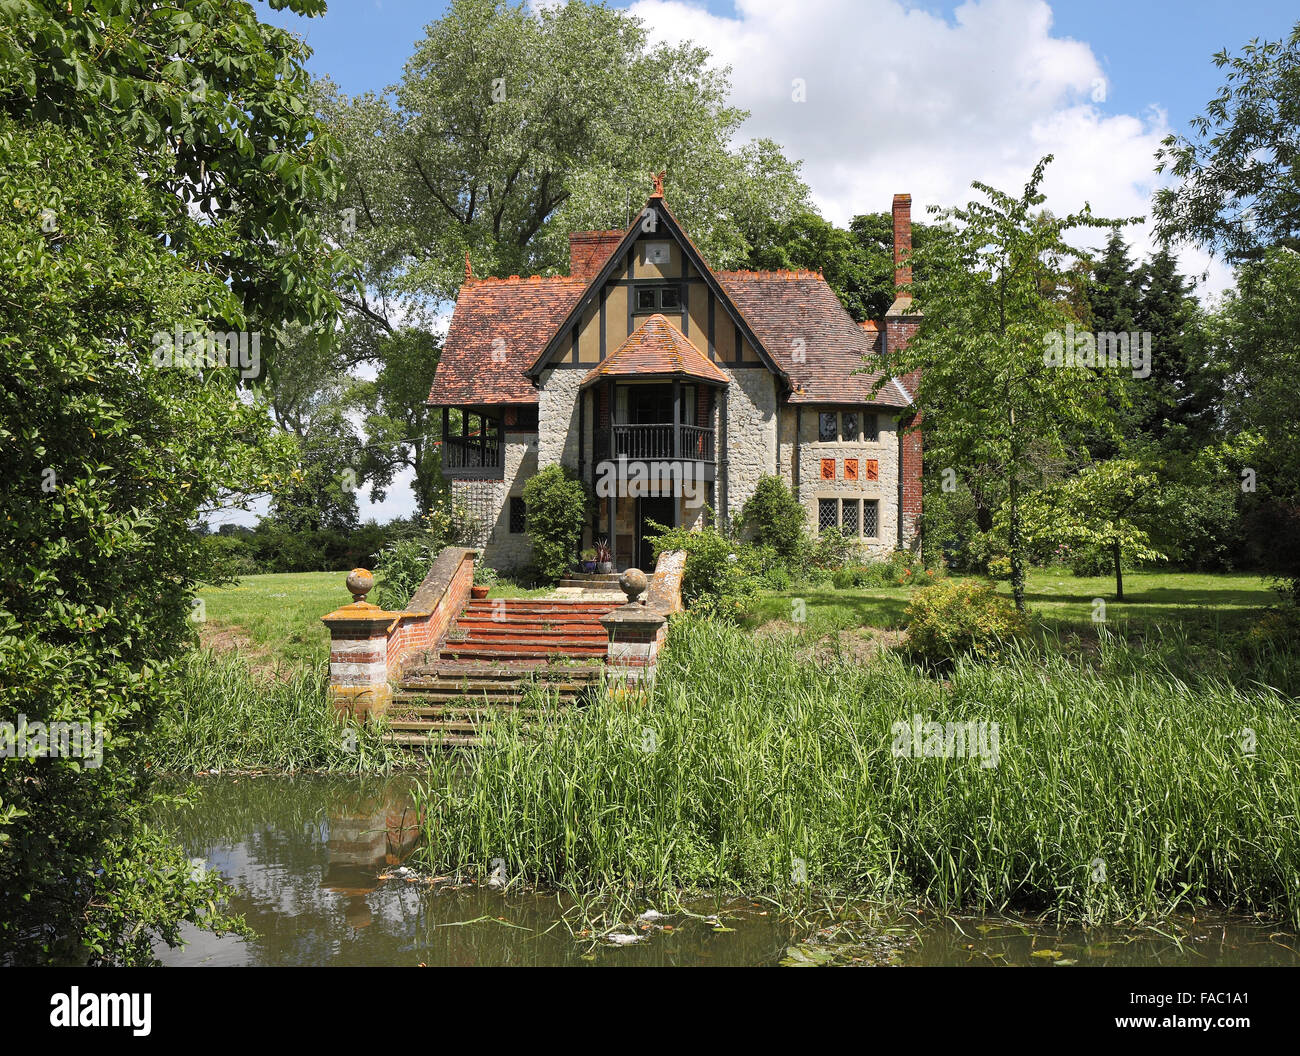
point(687, 443)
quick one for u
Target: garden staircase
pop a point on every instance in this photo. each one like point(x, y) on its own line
point(484, 666)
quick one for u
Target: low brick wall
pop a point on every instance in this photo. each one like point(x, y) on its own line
point(637, 630)
point(368, 645)
point(437, 601)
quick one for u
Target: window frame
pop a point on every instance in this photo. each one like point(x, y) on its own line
point(510, 515)
point(657, 289)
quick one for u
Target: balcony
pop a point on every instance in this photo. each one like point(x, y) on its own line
point(655, 442)
point(473, 457)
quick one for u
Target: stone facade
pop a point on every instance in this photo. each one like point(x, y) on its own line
point(884, 490)
point(751, 434)
point(489, 504)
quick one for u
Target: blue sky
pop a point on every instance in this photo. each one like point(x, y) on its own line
point(1154, 52)
point(915, 97)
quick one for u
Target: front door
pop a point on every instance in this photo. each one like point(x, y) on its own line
point(661, 510)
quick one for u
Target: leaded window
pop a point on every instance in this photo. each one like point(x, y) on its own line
point(827, 427)
point(849, 516)
point(827, 514)
point(870, 518)
point(518, 515)
point(850, 426)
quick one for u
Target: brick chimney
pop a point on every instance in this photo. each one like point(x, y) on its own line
point(588, 251)
point(902, 240)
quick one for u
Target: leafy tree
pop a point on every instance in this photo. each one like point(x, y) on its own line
point(512, 127)
point(1239, 189)
point(858, 264)
point(156, 165)
point(1110, 507)
point(401, 428)
point(776, 518)
point(994, 294)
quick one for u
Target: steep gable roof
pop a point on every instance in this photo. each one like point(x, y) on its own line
point(656, 347)
point(806, 329)
point(667, 222)
point(522, 314)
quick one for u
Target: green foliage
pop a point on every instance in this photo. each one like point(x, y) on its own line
point(1236, 186)
point(155, 169)
point(230, 717)
point(721, 577)
point(776, 518)
point(961, 617)
point(1110, 507)
point(572, 108)
point(558, 508)
point(111, 460)
point(404, 562)
point(760, 757)
point(992, 292)
point(998, 567)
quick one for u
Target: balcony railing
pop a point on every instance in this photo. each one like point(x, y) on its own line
point(691, 443)
point(472, 457)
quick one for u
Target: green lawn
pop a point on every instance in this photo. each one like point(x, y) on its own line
point(1061, 600)
point(280, 614)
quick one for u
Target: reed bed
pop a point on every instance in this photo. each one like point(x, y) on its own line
point(230, 717)
point(1143, 782)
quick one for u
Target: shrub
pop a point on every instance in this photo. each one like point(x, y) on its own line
point(402, 564)
point(955, 618)
point(1090, 561)
point(557, 509)
point(999, 567)
point(721, 577)
point(831, 550)
point(776, 518)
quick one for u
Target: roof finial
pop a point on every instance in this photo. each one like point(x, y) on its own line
point(469, 274)
point(658, 177)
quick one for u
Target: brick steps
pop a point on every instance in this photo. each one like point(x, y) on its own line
point(495, 651)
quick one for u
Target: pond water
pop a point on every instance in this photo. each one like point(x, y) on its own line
point(316, 866)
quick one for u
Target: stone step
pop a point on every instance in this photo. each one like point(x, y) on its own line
point(450, 672)
point(503, 692)
point(525, 626)
point(516, 651)
point(439, 739)
point(573, 610)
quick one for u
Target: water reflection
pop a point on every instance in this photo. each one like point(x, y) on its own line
point(316, 864)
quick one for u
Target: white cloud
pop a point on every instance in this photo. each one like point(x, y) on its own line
point(905, 100)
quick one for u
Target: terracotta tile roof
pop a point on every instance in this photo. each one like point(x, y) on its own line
point(791, 311)
point(523, 313)
point(657, 347)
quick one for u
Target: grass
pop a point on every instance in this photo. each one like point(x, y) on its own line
point(277, 618)
point(232, 717)
point(1059, 600)
point(1120, 792)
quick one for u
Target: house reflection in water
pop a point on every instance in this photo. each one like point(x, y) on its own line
point(367, 832)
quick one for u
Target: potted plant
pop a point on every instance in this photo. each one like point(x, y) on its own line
point(484, 577)
point(604, 558)
point(589, 560)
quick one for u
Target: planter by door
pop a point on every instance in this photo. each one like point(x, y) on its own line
point(605, 567)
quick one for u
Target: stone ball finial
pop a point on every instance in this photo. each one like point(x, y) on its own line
point(360, 582)
point(633, 583)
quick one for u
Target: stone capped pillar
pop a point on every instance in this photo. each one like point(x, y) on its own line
point(359, 651)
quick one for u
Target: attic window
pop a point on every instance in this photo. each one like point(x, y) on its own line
point(655, 298)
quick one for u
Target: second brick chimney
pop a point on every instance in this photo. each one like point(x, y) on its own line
point(902, 240)
point(588, 251)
